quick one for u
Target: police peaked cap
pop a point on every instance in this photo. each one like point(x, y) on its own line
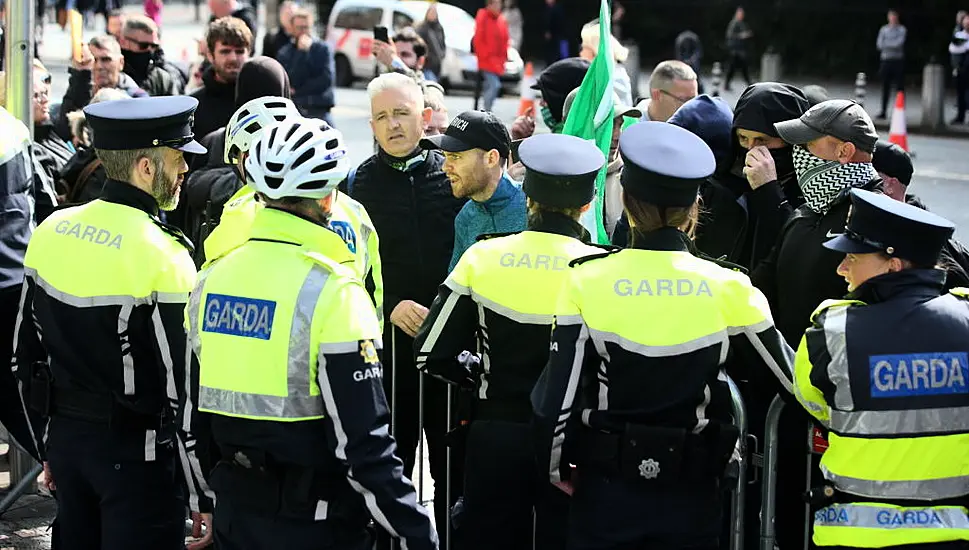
point(560, 170)
point(144, 123)
point(664, 164)
point(878, 223)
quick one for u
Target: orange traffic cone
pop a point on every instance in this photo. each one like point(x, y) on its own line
point(897, 132)
point(528, 95)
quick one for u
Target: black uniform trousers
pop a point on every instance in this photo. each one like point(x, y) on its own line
point(109, 504)
point(407, 422)
point(893, 78)
point(502, 486)
point(237, 528)
point(962, 94)
point(738, 61)
point(613, 514)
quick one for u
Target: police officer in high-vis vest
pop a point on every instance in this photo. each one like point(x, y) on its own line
point(290, 379)
point(348, 218)
point(634, 393)
point(886, 370)
point(100, 348)
point(504, 293)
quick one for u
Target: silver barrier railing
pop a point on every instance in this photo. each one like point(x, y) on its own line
point(739, 412)
point(768, 505)
point(22, 480)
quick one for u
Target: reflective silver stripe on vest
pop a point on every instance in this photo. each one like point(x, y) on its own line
point(926, 489)
point(298, 403)
point(253, 404)
point(901, 423)
point(891, 517)
point(835, 321)
point(102, 301)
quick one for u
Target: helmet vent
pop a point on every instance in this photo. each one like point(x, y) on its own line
point(275, 105)
point(274, 166)
point(304, 158)
point(332, 144)
point(274, 183)
point(323, 167)
point(253, 127)
point(303, 139)
point(292, 130)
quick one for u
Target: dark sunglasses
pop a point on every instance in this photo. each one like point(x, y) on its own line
point(142, 45)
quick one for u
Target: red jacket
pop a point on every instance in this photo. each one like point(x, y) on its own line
point(490, 41)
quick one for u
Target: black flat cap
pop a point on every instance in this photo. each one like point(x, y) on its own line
point(557, 80)
point(560, 170)
point(893, 161)
point(664, 164)
point(878, 223)
point(144, 123)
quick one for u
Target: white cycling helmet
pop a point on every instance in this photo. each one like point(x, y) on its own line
point(299, 157)
point(250, 119)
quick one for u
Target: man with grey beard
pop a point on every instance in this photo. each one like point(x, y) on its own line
point(99, 347)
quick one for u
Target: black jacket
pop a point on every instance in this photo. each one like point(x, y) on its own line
point(799, 273)
point(954, 258)
point(86, 189)
point(217, 102)
point(413, 212)
point(274, 41)
point(51, 152)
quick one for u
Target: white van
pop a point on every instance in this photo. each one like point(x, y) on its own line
point(350, 31)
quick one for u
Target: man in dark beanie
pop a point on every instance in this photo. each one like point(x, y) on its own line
point(555, 83)
point(211, 182)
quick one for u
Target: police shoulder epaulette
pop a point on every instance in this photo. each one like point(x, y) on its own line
point(176, 233)
point(486, 236)
point(960, 292)
point(583, 259)
point(722, 262)
point(331, 265)
point(831, 304)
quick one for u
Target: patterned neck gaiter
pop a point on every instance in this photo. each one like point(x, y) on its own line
point(824, 181)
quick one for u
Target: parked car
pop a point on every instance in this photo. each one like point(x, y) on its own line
point(350, 30)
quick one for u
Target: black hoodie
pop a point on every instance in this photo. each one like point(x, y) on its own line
point(770, 205)
point(217, 102)
point(211, 182)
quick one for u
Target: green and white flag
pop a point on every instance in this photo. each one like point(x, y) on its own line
point(591, 114)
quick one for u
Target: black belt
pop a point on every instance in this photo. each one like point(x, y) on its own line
point(102, 408)
point(254, 480)
point(656, 455)
point(503, 411)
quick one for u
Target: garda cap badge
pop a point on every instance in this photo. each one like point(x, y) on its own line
point(369, 352)
point(649, 469)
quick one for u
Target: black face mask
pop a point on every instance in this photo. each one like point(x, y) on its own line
point(136, 64)
point(783, 161)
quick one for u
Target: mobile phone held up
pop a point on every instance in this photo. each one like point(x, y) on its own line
point(381, 34)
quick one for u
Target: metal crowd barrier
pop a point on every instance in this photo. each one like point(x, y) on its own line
point(22, 481)
point(768, 532)
point(739, 412)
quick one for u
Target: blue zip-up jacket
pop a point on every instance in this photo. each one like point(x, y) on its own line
point(504, 212)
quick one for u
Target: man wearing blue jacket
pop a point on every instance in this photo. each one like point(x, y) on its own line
point(309, 63)
point(476, 148)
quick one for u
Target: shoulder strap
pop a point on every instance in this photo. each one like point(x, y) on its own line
point(583, 259)
point(960, 292)
point(831, 304)
point(486, 236)
point(82, 179)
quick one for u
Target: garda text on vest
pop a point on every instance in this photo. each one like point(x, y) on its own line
point(239, 316)
point(918, 374)
point(89, 233)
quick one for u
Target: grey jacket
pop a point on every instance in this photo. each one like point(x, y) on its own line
point(891, 42)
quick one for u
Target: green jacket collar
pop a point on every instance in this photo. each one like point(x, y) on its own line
point(274, 225)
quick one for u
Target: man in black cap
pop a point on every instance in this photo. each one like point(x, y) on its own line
point(100, 347)
point(476, 147)
point(833, 144)
point(514, 279)
point(555, 83)
point(887, 369)
point(894, 166)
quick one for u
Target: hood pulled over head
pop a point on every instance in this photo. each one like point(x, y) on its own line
point(711, 120)
point(261, 76)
